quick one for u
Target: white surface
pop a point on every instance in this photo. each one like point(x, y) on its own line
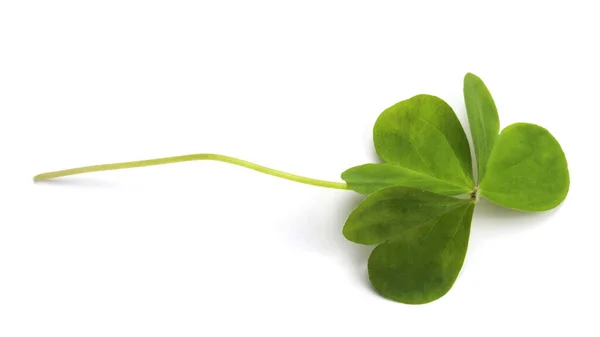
point(208, 249)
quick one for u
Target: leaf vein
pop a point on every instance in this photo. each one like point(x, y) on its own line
point(455, 231)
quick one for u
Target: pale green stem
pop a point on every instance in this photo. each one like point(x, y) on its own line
point(190, 157)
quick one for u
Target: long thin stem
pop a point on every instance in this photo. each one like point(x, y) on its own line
point(191, 157)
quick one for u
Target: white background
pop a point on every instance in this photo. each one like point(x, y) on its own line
point(210, 249)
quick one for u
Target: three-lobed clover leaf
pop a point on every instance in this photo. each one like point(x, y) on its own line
point(412, 213)
point(420, 201)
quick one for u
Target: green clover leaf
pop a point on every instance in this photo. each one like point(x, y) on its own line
point(483, 119)
point(423, 267)
point(524, 167)
point(423, 236)
point(527, 169)
point(394, 211)
point(423, 145)
point(420, 201)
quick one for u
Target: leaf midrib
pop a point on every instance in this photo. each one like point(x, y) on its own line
point(466, 188)
point(456, 229)
point(484, 144)
point(450, 209)
point(464, 174)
